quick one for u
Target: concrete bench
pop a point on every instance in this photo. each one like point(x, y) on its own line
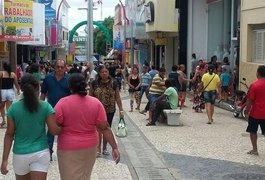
point(173, 116)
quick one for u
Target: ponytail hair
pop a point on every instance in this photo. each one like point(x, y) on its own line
point(29, 86)
point(78, 84)
point(211, 69)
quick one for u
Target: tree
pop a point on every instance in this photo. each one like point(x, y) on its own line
point(99, 36)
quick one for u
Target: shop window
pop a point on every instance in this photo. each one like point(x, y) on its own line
point(258, 50)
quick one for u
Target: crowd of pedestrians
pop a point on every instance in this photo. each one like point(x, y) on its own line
point(79, 120)
point(81, 103)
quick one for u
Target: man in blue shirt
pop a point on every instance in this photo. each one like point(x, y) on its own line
point(55, 86)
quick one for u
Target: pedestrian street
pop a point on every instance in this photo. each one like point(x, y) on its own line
point(194, 150)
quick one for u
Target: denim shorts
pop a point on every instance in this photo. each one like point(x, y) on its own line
point(209, 96)
point(8, 95)
point(152, 98)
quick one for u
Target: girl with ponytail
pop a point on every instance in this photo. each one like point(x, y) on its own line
point(211, 84)
point(26, 126)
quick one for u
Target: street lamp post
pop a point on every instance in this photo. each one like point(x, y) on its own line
point(90, 31)
point(89, 48)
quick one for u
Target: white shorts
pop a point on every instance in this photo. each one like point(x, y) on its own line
point(8, 94)
point(25, 163)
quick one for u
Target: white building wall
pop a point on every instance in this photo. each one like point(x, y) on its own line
point(197, 30)
point(169, 51)
point(200, 29)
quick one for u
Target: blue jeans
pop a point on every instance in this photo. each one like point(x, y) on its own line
point(144, 90)
point(152, 98)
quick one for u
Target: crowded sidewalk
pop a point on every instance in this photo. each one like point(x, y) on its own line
point(195, 150)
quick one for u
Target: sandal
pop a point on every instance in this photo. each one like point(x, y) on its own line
point(253, 153)
point(150, 124)
point(98, 154)
point(106, 152)
point(3, 123)
point(143, 112)
point(208, 123)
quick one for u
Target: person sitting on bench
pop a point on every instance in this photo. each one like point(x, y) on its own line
point(168, 100)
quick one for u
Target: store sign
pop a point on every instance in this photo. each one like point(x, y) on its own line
point(17, 21)
point(38, 26)
point(118, 37)
point(50, 12)
point(160, 41)
point(80, 39)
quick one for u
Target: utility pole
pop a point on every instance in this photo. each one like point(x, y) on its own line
point(90, 46)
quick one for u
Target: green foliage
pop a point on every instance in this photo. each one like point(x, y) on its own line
point(99, 36)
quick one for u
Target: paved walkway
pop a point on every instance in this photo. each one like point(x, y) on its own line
point(194, 150)
point(197, 150)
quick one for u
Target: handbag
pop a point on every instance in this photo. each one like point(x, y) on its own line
point(122, 129)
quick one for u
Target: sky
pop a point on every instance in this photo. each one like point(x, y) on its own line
point(76, 16)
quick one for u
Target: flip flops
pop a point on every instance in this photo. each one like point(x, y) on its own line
point(253, 153)
point(150, 124)
point(98, 154)
point(3, 125)
point(106, 152)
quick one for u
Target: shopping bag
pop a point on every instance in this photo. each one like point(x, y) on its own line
point(122, 129)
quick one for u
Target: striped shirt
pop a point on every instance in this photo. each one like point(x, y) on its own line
point(156, 88)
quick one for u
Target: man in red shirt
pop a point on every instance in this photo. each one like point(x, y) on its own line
point(255, 108)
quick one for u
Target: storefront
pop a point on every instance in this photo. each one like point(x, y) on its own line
point(213, 29)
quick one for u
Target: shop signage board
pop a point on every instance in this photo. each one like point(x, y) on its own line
point(38, 26)
point(50, 12)
point(52, 26)
point(118, 37)
point(17, 20)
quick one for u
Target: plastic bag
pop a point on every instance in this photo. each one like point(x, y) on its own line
point(122, 129)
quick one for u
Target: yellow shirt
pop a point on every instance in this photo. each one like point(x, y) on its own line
point(206, 78)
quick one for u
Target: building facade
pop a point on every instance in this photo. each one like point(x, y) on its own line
point(152, 32)
point(252, 39)
point(43, 38)
point(213, 29)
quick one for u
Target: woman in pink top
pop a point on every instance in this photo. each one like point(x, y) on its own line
point(80, 116)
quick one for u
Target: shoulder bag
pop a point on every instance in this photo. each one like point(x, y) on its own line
point(208, 83)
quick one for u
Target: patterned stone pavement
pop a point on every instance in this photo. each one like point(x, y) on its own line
point(197, 150)
point(192, 151)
